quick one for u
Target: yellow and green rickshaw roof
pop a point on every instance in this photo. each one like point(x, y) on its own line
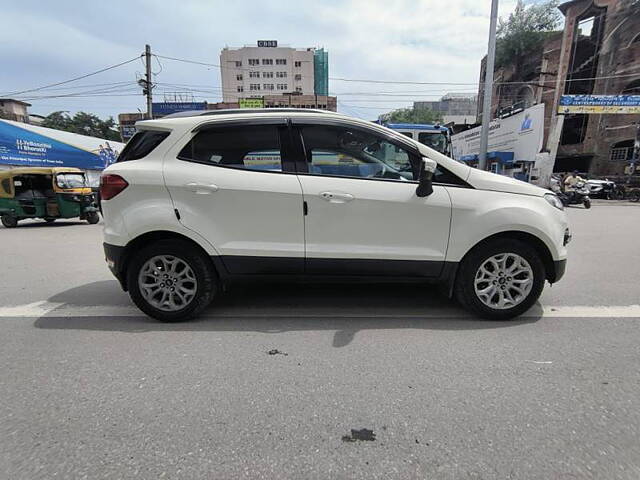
point(37, 171)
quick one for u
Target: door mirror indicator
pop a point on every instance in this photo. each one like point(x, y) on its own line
point(427, 169)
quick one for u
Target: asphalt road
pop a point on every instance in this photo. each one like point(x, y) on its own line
point(91, 389)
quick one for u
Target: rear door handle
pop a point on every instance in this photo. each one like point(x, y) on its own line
point(337, 197)
point(201, 188)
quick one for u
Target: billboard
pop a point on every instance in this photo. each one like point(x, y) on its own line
point(251, 103)
point(599, 104)
point(27, 145)
point(521, 134)
point(160, 109)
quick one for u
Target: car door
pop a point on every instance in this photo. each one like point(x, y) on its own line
point(232, 185)
point(363, 216)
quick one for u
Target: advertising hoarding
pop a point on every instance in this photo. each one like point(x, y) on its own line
point(161, 109)
point(251, 103)
point(27, 145)
point(521, 134)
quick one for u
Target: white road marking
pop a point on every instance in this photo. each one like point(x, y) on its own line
point(47, 309)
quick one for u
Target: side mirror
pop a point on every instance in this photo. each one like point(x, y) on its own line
point(427, 169)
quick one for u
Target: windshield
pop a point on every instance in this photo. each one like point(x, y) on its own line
point(436, 140)
point(70, 180)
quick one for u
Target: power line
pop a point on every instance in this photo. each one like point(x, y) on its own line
point(72, 79)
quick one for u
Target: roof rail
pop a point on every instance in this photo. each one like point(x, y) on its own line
point(236, 111)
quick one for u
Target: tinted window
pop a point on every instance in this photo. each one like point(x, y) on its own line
point(250, 147)
point(141, 145)
point(435, 140)
point(340, 151)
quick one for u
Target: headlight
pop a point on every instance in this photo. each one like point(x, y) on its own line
point(554, 200)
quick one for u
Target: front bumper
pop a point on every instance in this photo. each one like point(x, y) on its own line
point(114, 256)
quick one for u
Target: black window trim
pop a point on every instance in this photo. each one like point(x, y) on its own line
point(412, 150)
point(286, 164)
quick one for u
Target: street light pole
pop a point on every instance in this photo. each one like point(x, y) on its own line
point(147, 57)
point(488, 88)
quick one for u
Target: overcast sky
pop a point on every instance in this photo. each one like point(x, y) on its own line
point(43, 42)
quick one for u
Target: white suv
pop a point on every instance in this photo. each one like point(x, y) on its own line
point(197, 201)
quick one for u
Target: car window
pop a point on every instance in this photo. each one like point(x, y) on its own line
point(141, 145)
point(253, 147)
point(340, 151)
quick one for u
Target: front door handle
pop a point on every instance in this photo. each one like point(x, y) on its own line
point(337, 197)
point(201, 188)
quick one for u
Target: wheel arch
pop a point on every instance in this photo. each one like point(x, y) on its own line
point(539, 245)
point(148, 238)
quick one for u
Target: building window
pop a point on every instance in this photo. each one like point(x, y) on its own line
point(281, 61)
point(622, 151)
point(267, 61)
point(282, 86)
point(240, 88)
point(254, 86)
point(268, 86)
point(298, 77)
point(254, 61)
point(267, 74)
point(238, 63)
point(239, 77)
point(297, 64)
point(298, 89)
point(281, 74)
point(254, 74)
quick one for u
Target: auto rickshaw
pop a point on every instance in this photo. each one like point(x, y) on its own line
point(47, 193)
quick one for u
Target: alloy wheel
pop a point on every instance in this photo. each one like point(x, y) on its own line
point(167, 283)
point(503, 281)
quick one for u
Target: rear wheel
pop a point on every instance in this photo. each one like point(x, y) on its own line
point(634, 196)
point(587, 203)
point(92, 218)
point(501, 279)
point(171, 281)
point(9, 221)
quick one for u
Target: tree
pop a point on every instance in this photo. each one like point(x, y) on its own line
point(524, 31)
point(84, 124)
point(411, 115)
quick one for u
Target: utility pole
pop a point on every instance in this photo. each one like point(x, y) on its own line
point(149, 86)
point(488, 88)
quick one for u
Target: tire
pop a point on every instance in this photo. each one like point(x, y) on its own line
point(587, 203)
point(201, 269)
point(465, 291)
point(634, 196)
point(92, 218)
point(49, 220)
point(9, 221)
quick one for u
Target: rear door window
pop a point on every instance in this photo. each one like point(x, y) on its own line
point(250, 147)
point(141, 145)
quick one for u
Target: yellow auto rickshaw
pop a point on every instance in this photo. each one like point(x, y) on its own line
point(46, 193)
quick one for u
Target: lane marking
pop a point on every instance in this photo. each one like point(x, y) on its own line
point(48, 309)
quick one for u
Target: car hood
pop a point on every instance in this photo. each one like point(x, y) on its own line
point(499, 183)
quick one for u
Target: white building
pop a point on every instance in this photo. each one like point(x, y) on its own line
point(266, 69)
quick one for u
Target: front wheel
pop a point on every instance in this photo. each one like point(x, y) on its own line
point(501, 279)
point(587, 203)
point(634, 196)
point(171, 281)
point(9, 221)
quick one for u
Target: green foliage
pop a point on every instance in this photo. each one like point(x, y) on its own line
point(525, 30)
point(83, 123)
point(411, 115)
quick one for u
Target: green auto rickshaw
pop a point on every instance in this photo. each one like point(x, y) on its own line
point(47, 193)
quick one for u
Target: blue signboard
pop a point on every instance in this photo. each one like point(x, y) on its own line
point(165, 108)
point(599, 104)
point(19, 146)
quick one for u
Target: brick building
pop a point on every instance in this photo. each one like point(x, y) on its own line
point(598, 52)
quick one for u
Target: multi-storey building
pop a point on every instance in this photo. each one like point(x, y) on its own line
point(254, 71)
point(15, 110)
point(597, 53)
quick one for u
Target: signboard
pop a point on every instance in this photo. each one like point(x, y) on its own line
point(521, 134)
point(251, 103)
point(27, 145)
point(165, 108)
point(268, 43)
point(127, 131)
point(599, 104)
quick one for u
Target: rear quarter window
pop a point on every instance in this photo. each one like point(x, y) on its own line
point(141, 145)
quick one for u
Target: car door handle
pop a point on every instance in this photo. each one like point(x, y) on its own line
point(337, 197)
point(201, 188)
